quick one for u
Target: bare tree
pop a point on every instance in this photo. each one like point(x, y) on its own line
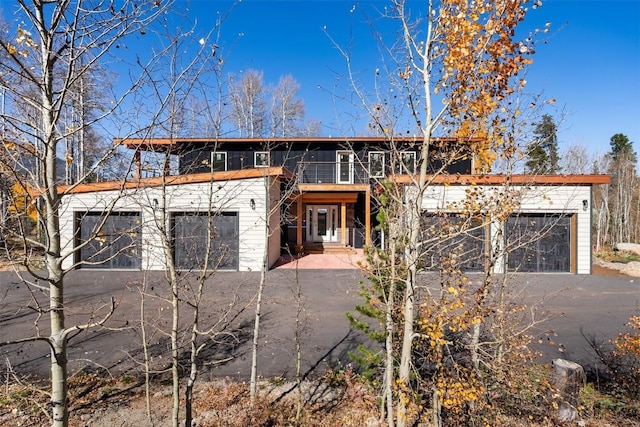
point(286, 109)
point(576, 160)
point(248, 104)
point(50, 54)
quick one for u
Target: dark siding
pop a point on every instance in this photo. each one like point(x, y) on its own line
point(196, 157)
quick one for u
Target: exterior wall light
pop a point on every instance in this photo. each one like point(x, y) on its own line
point(252, 203)
point(585, 205)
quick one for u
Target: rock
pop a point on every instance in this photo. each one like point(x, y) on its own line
point(567, 380)
point(631, 247)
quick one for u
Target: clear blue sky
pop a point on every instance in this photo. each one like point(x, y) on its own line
point(590, 62)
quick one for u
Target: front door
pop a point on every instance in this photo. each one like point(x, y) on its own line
point(322, 223)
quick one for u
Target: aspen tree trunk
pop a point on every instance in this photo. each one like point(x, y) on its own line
point(413, 207)
point(175, 350)
point(253, 385)
point(389, 363)
point(58, 339)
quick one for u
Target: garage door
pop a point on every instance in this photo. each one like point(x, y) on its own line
point(194, 232)
point(538, 243)
point(447, 235)
point(112, 240)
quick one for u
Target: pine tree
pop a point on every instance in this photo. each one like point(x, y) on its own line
point(542, 152)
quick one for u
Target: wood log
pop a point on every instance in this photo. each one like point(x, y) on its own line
point(568, 379)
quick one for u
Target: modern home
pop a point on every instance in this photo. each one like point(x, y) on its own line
point(236, 203)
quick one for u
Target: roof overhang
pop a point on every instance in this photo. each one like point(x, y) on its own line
point(177, 180)
point(171, 145)
point(498, 179)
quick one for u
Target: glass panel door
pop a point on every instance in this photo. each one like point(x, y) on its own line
point(321, 223)
point(345, 167)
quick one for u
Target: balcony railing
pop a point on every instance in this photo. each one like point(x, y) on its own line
point(332, 173)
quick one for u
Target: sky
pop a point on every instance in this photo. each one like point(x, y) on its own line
point(589, 62)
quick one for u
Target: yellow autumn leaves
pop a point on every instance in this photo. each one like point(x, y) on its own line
point(23, 44)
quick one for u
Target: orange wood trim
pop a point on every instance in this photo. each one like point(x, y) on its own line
point(488, 241)
point(330, 197)
point(332, 187)
point(367, 217)
point(574, 243)
point(511, 179)
point(343, 216)
point(176, 180)
point(136, 158)
point(299, 223)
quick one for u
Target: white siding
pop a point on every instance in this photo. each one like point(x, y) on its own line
point(229, 196)
point(566, 199)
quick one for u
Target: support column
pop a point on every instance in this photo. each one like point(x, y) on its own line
point(299, 224)
point(136, 158)
point(343, 217)
point(367, 217)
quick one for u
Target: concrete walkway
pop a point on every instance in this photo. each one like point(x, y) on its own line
point(322, 261)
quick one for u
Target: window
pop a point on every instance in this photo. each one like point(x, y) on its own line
point(407, 162)
point(376, 164)
point(345, 167)
point(261, 159)
point(218, 161)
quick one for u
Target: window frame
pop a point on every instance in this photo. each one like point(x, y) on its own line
point(267, 158)
point(213, 162)
point(380, 173)
point(403, 165)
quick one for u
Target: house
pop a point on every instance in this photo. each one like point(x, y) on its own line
point(249, 199)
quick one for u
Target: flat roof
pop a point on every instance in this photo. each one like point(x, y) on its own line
point(170, 144)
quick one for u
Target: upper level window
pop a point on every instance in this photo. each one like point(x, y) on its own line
point(218, 161)
point(376, 164)
point(261, 159)
point(408, 162)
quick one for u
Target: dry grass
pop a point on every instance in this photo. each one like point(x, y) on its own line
point(610, 255)
point(100, 402)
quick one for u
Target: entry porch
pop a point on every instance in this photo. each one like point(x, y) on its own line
point(329, 221)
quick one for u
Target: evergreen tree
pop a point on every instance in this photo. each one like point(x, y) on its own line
point(542, 152)
point(621, 145)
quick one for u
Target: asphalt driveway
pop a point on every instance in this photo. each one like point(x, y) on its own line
point(578, 309)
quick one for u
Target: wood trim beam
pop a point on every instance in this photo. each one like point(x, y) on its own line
point(367, 217)
point(299, 224)
point(332, 187)
point(574, 244)
point(320, 198)
point(510, 179)
point(175, 180)
point(138, 161)
point(343, 217)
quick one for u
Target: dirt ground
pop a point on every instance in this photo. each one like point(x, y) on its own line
point(599, 270)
